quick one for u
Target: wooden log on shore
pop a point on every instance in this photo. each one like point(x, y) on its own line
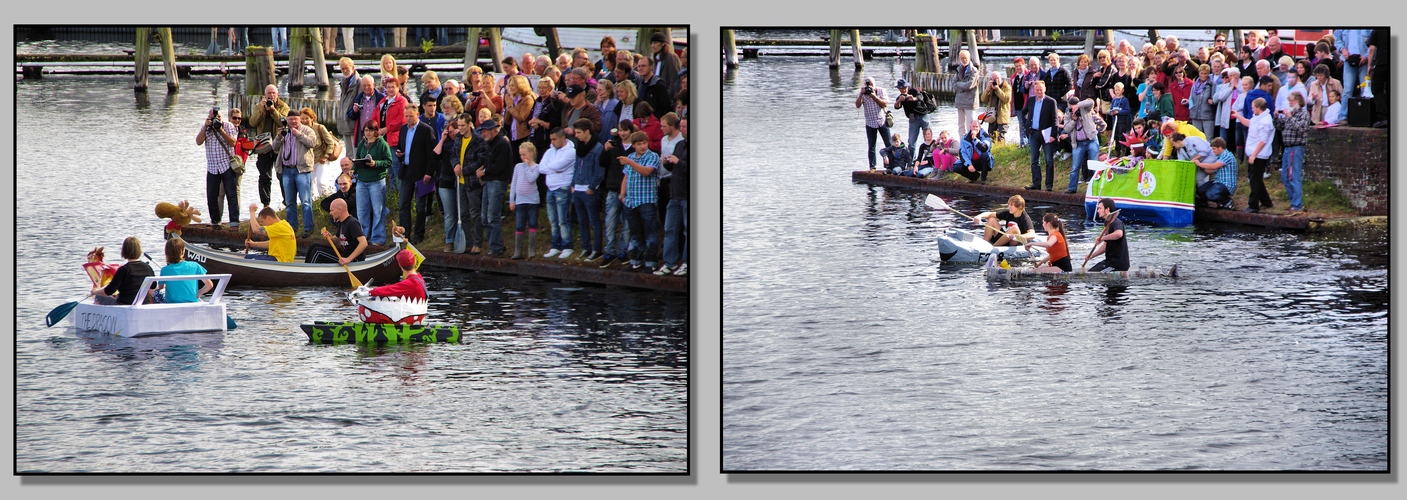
point(168, 59)
point(143, 59)
point(730, 49)
point(496, 48)
point(471, 52)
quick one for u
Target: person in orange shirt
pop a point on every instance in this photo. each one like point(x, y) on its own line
point(1058, 258)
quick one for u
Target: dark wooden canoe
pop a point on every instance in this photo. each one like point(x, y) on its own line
point(329, 332)
point(380, 267)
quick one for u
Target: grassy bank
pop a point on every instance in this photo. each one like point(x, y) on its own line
point(1013, 169)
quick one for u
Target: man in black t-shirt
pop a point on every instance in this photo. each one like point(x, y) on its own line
point(1113, 244)
point(350, 239)
point(1015, 212)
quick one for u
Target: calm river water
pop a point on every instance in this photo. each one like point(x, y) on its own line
point(550, 377)
point(848, 346)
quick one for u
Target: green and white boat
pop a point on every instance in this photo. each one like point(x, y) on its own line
point(349, 332)
point(1156, 191)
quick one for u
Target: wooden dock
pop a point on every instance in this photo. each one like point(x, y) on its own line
point(107, 64)
point(752, 49)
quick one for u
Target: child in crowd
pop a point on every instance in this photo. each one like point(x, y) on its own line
point(523, 199)
point(639, 193)
point(1331, 112)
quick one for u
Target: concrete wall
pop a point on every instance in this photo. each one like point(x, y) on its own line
point(1354, 159)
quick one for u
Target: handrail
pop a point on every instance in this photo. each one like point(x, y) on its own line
point(221, 281)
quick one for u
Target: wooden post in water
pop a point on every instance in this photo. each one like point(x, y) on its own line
point(856, 49)
point(319, 61)
point(554, 44)
point(954, 45)
point(972, 49)
point(297, 47)
point(1236, 40)
point(1153, 36)
point(471, 52)
point(926, 55)
point(730, 47)
point(668, 38)
point(1089, 43)
point(496, 48)
point(143, 61)
point(835, 49)
point(168, 58)
point(259, 69)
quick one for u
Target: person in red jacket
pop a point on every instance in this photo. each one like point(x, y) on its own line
point(391, 114)
point(403, 302)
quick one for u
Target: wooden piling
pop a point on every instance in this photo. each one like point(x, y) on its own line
point(835, 48)
point(471, 52)
point(972, 49)
point(297, 47)
point(1236, 40)
point(168, 58)
point(1089, 43)
point(319, 60)
point(926, 53)
point(730, 47)
point(33, 72)
point(554, 43)
point(496, 48)
point(143, 59)
point(856, 49)
point(668, 38)
point(954, 45)
point(259, 69)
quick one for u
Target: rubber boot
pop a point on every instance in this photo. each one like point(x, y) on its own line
point(517, 246)
point(532, 242)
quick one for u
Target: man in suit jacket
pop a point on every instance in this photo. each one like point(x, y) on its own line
point(417, 155)
point(1040, 114)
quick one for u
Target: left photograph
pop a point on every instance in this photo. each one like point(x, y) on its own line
point(352, 249)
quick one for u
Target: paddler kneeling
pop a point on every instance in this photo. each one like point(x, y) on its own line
point(1058, 258)
point(403, 302)
point(1015, 212)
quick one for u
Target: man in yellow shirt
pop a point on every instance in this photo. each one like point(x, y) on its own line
point(282, 246)
point(1171, 127)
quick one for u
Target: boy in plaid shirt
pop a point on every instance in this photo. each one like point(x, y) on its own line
point(638, 191)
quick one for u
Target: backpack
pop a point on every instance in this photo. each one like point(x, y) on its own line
point(926, 103)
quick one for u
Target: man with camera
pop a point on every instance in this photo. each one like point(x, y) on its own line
point(294, 146)
point(1082, 128)
point(873, 100)
point(914, 109)
point(268, 115)
point(998, 97)
point(219, 177)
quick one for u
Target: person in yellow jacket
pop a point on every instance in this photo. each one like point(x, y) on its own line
point(998, 96)
point(1171, 127)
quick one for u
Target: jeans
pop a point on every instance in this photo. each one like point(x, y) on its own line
point(280, 36)
point(1036, 149)
point(1292, 174)
point(226, 183)
point(524, 217)
point(470, 206)
point(395, 172)
point(422, 33)
point(1214, 192)
point(442, 37)
point(371, 209)
point(1084, 150)
point(450, 202)
point(298, 197)
point(588, 216)
point(378, 37)
point(615, 218)
point(416, 226)
point(922, 172)
point(642, 233)
point(870, 132)
point(1025, 129)
point(558, 219)
point(676, 238)
point(493, 214)
point(917, 125)
point(348, 45)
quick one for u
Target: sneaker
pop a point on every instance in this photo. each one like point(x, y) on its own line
point(683, 269)
point(1266, 175)
point(634, 265)
point(663, 270)
point(565, 253)
point(592, 257)
point(649, 264)
point(551, 253)
point(607, 260)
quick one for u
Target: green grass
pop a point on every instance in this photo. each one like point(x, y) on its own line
point(1012, 168)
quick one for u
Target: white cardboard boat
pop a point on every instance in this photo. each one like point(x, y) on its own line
point(154, 319)
point(957, 245)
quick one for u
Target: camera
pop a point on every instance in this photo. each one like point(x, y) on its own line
point(868, 90)
point(476, 93)
point(269, 102)
point(283, 122)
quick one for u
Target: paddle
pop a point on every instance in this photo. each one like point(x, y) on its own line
point(229, 322)
point(61, 312)
point(355, 282)
point(1113, 216)
point(936, 202)
point(459, 240)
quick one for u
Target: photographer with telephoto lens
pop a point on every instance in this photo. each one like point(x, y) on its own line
point(873, 100)
point(219, 137)
point(267, 116)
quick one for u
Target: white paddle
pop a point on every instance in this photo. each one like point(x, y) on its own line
point(936, 202)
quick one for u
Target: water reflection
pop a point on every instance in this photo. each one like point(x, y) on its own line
point(182, 350)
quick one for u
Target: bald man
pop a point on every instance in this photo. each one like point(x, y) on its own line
point(346, 234)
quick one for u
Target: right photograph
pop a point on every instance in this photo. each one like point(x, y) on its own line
point(1055, 249)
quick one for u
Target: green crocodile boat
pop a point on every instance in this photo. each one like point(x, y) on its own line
point(330, 332)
